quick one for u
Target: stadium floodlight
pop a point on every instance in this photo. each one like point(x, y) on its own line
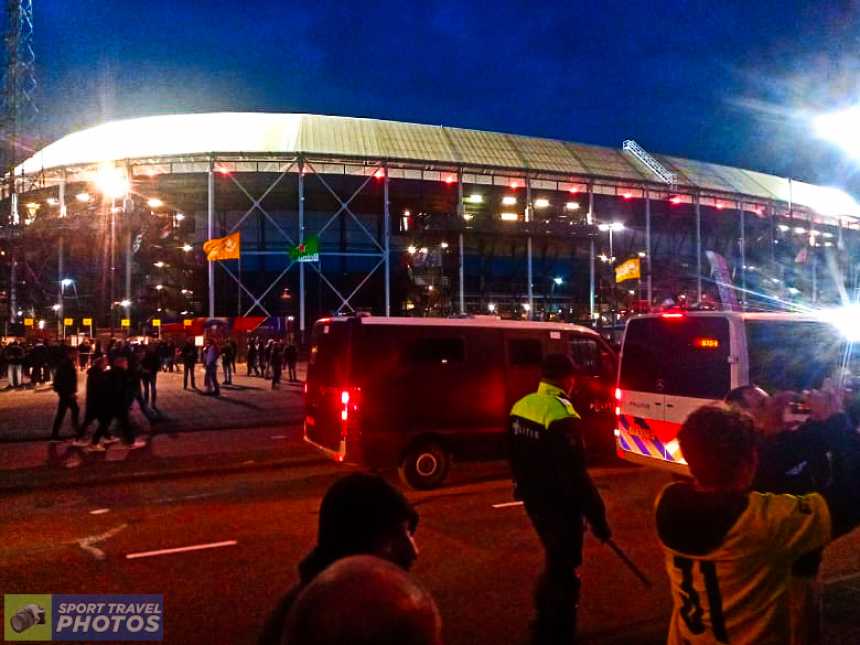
point(154, 202)
point(112, 182)
point(475, 198)
point(83, 197)
point(841, 128)
point(541, 202)
point(572, 206)
point(509, 200)
point(56, 307)
point(846, 319)
point(66, 282)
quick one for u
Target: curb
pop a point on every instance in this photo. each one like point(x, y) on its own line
point(29, 480)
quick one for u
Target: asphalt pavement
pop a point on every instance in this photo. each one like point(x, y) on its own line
point(249, 529)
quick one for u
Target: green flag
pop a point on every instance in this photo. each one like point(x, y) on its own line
point(307, 251)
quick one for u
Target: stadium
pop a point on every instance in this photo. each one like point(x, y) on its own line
point(405, 219)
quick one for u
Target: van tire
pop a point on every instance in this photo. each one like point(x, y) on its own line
point(425, 465)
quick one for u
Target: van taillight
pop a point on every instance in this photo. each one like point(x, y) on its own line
point(348, 401)
point(675, 316)
point(306, 387)
point(344, 397)
point(617, 393)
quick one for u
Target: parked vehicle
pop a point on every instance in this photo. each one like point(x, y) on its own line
point(674, 362)
point(412, 392)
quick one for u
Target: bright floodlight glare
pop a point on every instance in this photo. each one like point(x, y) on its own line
point(179, 217)
point(412, 249)
point(55, 307)
point(846, 320)
point(186, 247)
point(83, 197)
point(509, 200)
point(558, 280)
point(111, 182)
point(154, 202)
point(66, 282)
point(541, 202)
point(841, 128)
point(125, 303)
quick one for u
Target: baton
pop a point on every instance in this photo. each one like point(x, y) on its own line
point(630, 564)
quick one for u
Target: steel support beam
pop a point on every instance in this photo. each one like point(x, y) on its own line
point(461, 214)
point(589, 218)
point(301, 192)
point(648, 263)
point(529, 250)
point(386, 233)
point(210, 231)
point(698, 248)
point(743, 248)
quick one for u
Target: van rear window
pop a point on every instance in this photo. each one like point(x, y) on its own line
point(793, 355)
point(678, 357)
point(328, 360)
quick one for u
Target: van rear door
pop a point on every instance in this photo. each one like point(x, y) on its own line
point(329, 367)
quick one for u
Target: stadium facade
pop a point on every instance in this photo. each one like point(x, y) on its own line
point(411, 219)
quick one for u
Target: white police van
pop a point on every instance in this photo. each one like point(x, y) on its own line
point(674, 362)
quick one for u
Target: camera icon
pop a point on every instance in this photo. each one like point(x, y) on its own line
point(26, 617)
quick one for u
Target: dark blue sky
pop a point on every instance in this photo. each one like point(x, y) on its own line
point(725, 81)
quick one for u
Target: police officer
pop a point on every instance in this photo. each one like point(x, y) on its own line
point(548, 466)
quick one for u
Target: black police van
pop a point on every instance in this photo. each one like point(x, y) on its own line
point(413, 392)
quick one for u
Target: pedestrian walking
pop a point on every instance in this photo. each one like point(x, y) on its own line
point(548, 465)
point(252, 357)
point(150, 365)
point(39, 359)
point(14, 357)
point(189, 363)
point(96, 401)
point(117, 399)
point(84, 352)
point(171, 356)
point(360, 514)
point(291, 356)
point(66, 387)
point(227, 357)
point(277, 365)
point(210, 365)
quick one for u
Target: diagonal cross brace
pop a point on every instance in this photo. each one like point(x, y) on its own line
point(256, 204)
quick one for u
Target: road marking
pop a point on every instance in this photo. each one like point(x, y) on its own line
point(87, 543)
point(100, 511)
point(181, 549)
point(507, 504)
point(279, 436)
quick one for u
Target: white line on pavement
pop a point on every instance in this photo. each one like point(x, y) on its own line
point(100, 511)
point(507, 504)
point(87, 543)
point(279, 436)
point(181, 549)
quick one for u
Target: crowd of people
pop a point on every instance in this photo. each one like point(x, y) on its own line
point(743, 537)
point(120, 373)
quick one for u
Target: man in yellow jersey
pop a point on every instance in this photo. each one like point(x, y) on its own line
point(548, 465)
point(730, 551)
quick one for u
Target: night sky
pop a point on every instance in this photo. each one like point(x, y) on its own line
point(725, 81)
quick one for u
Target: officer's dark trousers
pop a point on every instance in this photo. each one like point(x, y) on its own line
point(560, 530)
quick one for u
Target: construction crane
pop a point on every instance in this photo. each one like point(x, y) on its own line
point(17, 120)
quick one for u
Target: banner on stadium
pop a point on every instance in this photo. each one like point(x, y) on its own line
point(723, 277)
point(629, 270)
point(307, 251)
point(223, 248)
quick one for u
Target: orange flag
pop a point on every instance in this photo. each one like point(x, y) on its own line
point(222, 248)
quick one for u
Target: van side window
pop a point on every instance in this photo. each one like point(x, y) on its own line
point(586, 354)
point(525, 351)
point(437, 350)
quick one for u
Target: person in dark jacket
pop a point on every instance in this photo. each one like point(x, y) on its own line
point(66, 387)
point(117, 393)
point(548, 465)
point(277, 358)
point(150, 364)
point(360, 514)
point(189, 362)
point(96, 396)
point(291, 356)
point(14, 356)
point(252, 357)
point(228, 361)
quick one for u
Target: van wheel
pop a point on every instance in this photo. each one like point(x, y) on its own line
point(424, 466)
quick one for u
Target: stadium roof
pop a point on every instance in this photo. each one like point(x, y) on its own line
point(254, 133)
